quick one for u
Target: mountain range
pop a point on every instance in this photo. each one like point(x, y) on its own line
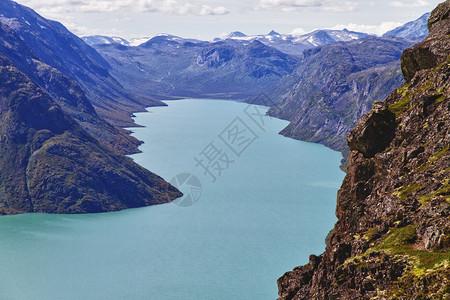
point(287, 43)
point(170, 66)
point(322, 81)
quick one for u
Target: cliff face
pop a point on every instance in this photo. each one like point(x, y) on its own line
point(50, 164)
point(392, 238)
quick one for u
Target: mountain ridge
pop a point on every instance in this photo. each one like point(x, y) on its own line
point(51, 165)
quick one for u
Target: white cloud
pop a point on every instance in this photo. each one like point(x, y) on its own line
point(208, 10)
point(292, 5)
point(372, 29)
point(172, 7)
point(298, 31)
point(418, 3)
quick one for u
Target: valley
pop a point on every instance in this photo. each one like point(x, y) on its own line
point(167, 167)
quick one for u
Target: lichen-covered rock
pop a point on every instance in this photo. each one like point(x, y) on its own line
point(392, 238)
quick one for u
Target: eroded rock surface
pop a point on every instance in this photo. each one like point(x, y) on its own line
point(392, 238)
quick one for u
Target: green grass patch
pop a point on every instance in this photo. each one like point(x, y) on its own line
point(442, 192)
point(441, 99)
point(399, 241)
point(433, 159)
point(401, 106)
point(369, 233)
point(404, 192)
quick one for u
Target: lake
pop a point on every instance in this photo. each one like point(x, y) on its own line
point(256, 205)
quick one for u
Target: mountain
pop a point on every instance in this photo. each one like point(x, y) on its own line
point(55, 46)
point(392, 237)
point(334, 85)
point(274, 33)
point(64, 91)
point(167, 65)
point(411, 30)
point(236, 34)
point(162, 40)
point(101, 39)
point(51, 165)
point(296, 44)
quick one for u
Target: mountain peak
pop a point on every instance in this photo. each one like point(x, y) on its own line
point(236, 34)
point(273, 32)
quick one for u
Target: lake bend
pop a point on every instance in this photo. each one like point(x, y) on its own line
point(256, 204)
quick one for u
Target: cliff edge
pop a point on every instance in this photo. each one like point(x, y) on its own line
point(392, 237)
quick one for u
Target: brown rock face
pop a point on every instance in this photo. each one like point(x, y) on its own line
point(434, 49)
point(392, 238)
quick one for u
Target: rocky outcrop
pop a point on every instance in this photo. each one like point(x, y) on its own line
point(49, 164)
point(392, 238)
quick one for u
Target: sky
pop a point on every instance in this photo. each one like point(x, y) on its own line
point(207, 19)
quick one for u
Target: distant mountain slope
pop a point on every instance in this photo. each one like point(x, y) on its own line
point(172, 66)
point(101, 39)
point(334, 85)
point(51, 165)
point(54, 45)
point(411, 30)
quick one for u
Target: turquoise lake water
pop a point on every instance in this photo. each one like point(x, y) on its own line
point(270, 207)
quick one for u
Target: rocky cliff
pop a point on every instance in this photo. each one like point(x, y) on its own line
point(392, 238)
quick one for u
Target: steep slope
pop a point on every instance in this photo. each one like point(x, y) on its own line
point(172, 66)
point(411, 30)
point(392, 238)
point(64, 91)
point(54, 45)
point(334, 85)
point(49, 164)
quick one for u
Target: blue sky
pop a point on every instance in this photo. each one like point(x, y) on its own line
point(206, 19)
